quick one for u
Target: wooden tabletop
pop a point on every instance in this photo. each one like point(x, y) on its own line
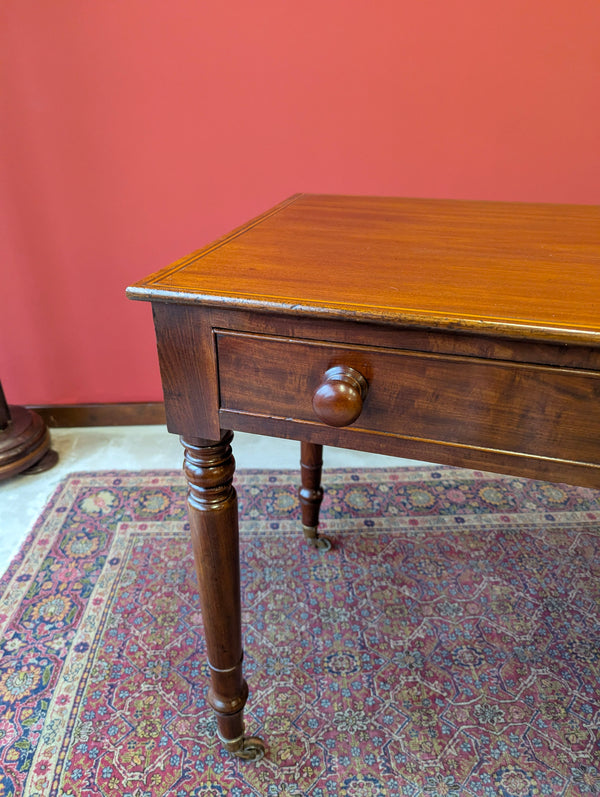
point(523, 270)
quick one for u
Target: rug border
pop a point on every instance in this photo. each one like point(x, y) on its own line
point(17, 558)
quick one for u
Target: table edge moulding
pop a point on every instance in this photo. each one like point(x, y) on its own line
point(453, 331)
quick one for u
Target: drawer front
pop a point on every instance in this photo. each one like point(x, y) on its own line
point(489, 404)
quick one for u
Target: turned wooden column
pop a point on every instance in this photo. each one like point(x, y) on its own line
point(24, 441)
point(311, 493)
point(4, 411)
point(213, 513)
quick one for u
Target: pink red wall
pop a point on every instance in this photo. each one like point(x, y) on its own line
point(134, 131)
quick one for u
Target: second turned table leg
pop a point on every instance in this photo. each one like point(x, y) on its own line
point(311, 493)
point(213, 513)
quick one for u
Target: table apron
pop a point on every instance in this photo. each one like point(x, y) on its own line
point(465, 402)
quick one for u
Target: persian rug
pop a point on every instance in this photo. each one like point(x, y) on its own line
point(448, 644)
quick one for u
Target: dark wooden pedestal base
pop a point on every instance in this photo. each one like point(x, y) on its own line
point(25, 444)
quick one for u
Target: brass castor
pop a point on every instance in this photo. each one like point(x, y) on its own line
point(248, 748)
point(312, 537)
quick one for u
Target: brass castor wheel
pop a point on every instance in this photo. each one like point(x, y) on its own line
point(312, 537)
point(248, 748)
point(253, 749)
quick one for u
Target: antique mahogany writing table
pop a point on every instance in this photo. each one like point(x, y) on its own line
point(457, 332)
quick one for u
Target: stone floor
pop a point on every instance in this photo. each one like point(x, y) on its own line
point(22, 498)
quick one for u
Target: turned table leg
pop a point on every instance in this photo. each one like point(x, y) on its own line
point(212, 507)
point(311, 493)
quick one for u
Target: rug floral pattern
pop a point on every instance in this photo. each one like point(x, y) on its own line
point(449, 643)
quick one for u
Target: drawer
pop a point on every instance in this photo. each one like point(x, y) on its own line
point(486, 404)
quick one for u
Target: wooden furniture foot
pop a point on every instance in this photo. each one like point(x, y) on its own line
point(24, 441)
point(213, 513)
point(311, 493)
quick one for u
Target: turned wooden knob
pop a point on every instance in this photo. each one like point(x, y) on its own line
point(338, 401)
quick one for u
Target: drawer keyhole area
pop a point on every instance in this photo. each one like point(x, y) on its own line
point(338, 401)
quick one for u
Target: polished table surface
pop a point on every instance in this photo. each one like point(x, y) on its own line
point(457, 332)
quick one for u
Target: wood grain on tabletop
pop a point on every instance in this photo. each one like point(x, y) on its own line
point(531, 265)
